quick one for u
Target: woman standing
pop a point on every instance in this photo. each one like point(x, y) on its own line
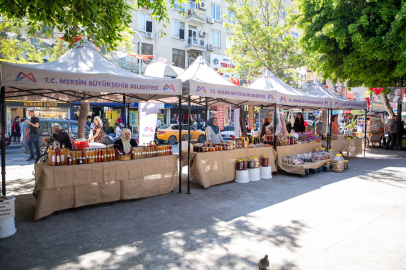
point(299, 125)
point(263, 131)
point(16, 130)
point(125, 142)
point(213, 134)
point(98, 132)
point(334, 125)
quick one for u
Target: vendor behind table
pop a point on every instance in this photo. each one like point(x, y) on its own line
point(213, 134)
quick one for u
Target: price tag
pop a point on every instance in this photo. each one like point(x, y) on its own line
point(7, 208)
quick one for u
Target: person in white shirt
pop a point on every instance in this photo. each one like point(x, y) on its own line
point(213, 134)
point(158, 123)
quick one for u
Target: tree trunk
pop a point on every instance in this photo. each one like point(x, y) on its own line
point(324, 119)
point(387, 105)
point(84, 110)
point(242, 122)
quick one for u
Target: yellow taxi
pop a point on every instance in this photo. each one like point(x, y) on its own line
point(170, 133)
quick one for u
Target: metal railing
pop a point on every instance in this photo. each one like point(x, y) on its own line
point(195, 42)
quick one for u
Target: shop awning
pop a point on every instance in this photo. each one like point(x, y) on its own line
point(315, 88)
point(204, 84)
point(287, 96)
point(83, 74)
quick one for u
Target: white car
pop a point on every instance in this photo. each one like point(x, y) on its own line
point(226, 134)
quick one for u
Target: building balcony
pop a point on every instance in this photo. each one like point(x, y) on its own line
point(195, 44)
point(196, 16)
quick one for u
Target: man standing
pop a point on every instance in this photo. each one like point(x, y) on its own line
point(34, 136)
point(319, 126)
point(23, 133)
point(158, 123)
point(392, 132)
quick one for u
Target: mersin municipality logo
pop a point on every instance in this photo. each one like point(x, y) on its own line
point(169, 87)
point(22, 75)
point(270, 96)
point(325, 102)
point(149, 129)
point(336, 103)
point(283, 99)
point(201, 89)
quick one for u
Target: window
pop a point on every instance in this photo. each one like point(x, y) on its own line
point(192, 4)
point(229, 41)
point(147, 49)
point(215, 38)
point(231, 18)
point(179, 30)
point(178, 58)
point(142, 21)
point(64, 125)
point(176, 127)
point(179, 6)
point(216, 12)
point(75, 130)
point(43, 126)
point(294, 34)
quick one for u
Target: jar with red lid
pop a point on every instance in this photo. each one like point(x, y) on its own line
point(265, 161)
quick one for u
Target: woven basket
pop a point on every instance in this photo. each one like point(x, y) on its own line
point(123, 157)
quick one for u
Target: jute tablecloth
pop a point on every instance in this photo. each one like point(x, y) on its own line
point(291, 150)
point(213, 168)
point(62, 187)
point(351, 148)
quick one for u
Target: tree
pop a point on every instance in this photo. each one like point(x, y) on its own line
point(362, 42)
point(104, 20)
point(261, 38)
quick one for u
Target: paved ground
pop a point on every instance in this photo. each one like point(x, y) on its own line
point(352, 220)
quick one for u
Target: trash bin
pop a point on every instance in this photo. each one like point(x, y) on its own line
point(7, 214)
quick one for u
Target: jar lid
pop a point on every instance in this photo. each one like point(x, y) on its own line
point(244, 159)
point(255, 157)
point(338, 155)
point(317, 148)
point(264, 156)
point(323, 148)
point(345, 160)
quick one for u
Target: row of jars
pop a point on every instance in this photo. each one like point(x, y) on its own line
point(251, 163)
point(150, 151)
point(60, 157)
point(211, 148)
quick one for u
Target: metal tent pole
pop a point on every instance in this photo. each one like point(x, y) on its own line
point(180, 145)
point(125, 115)
point(274, 128)
point(188, 146)
point(365, 130)
point(128, 115)
point(3, 141)
point(331, 125)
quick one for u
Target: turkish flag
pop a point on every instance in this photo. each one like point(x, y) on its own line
point(368, 101)
point(377, 90)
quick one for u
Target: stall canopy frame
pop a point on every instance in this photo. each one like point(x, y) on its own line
point(81, 74)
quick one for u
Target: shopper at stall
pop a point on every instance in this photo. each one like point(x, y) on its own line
point(34, 135)
point(23, 138)
point(264, 125)
point(299, 125)
point(213, 134)
point(392, 132)
point(125, 142)
point(98, 132)
point(61, 136)
point(16, 130)
point(319, 125)
point(335, 128)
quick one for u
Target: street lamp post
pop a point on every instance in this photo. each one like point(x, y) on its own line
point(139, 52)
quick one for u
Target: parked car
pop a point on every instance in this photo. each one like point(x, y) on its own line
point(70, 126)
point(226, 134)
point(170, 133)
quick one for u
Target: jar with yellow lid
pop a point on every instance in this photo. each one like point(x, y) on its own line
point(256, 162)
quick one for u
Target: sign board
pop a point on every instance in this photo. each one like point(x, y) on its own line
point(37, 104)
point(148, 117)
point(7, 208)
point(220, 61)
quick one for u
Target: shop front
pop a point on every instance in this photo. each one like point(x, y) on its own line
point(195, 111)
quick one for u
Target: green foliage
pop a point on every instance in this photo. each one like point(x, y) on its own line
point(361, 41)
point(261, 39)
point(104, 20)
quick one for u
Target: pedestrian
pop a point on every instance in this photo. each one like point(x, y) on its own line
point(98, 132)
point(158, 123)
point(392, 132)
point(203, 124)
point(299, 125)
point(319, 126)
point(120, 120)
point(263, 130)
point(88, 122)
point(334, 125)
point(23, 138)
point(16, 130)
point(33, 123)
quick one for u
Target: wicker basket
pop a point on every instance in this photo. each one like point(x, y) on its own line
point(123, 157)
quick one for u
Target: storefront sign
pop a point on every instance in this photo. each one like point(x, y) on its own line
point(220, 61)
point(36, 104)
point(148, 117)
point(347, 111)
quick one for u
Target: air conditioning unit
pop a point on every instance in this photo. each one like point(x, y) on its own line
point(210, 20)
point(210, 47)
point(149, 35)
point(202, 33)
point(202, 5)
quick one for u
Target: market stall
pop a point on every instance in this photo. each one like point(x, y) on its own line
point(349, 147)
point(82, 74)
point(63, 187)
point(374, 129)
point(203, 85)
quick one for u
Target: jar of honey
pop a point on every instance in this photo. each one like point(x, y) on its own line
point(265, 161)
point(239, 165)
point(245, 163)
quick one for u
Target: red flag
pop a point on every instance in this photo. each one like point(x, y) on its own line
point(377, 90)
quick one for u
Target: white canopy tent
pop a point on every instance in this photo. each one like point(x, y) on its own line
point(83, 74)
point(315, 88)
point(162, 70)
point(287, 96)
point(204, 84)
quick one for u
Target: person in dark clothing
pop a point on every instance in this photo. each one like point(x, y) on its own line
point(16, 130)
point(61, 136)
point(125, 142)
point(299, 123)
point(392, 132)
point(88, 122)
point(34, 136)
point(263, 131)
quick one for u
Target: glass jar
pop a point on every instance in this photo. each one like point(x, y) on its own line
point(330, 151)
point(328, 167)
point(251, 163)
point(265, 161)
point(245, 162)
point(323, 150)
point(239, 165)
point(256, 162)
point(345, 164)
point(338, 163)
point(69, 160)
point(317, 150)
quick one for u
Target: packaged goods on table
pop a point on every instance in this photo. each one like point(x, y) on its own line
point(338, 163)
point(312, 157)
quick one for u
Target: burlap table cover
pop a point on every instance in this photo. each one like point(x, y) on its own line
point(63, 187)
point(292, 150)
point(351, 148)
point(213, 168)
